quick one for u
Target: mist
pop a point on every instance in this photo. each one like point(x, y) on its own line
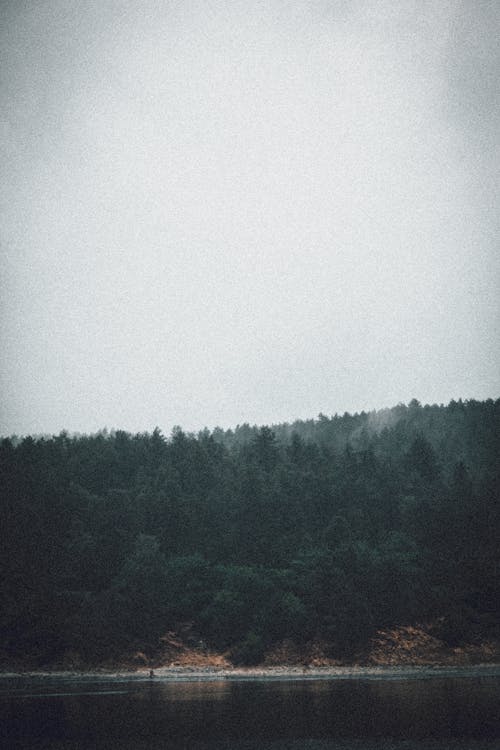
point(225, 212)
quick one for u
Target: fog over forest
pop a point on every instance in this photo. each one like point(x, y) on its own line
point(221, 212)
point(324, 531)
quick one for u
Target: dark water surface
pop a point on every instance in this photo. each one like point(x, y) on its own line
point(444, 712)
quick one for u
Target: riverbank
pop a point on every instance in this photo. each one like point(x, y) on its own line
point(267, 673)
point(405, 648)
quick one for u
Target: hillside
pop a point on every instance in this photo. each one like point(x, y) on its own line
point(327, 531)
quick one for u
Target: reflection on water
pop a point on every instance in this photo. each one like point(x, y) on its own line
point(444, 713)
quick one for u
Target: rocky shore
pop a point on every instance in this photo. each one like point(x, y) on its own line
point(283, 672)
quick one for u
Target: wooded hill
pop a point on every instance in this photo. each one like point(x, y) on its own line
point(328, 528)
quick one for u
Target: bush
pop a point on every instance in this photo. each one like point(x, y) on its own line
point(249, 651)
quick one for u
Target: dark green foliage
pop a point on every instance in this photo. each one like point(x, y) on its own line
point(249, 651)
point(325, 528)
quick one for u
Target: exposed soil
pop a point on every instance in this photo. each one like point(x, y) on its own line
point(401, 646)
point(412, 645)
point(181, 652)
point(415, 645)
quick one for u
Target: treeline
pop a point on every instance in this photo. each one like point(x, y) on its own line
point(328, 528)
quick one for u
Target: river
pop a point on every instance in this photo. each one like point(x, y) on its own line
point(456, 711)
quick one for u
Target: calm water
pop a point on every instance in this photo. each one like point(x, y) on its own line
point(458, 712)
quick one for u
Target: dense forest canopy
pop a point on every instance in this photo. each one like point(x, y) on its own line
point(331, 527)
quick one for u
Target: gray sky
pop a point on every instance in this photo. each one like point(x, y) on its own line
point(224, 211)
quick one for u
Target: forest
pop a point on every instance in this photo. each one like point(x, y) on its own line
point(330, 527)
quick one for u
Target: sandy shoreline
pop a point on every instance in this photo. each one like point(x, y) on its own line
point(277, 673)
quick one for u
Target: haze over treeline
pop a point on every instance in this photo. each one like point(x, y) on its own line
point(225, 211)
point(329, 528)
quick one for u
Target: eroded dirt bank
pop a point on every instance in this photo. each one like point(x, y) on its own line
point(403, 648)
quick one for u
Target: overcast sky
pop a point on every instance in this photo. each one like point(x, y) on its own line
point(223, 211)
